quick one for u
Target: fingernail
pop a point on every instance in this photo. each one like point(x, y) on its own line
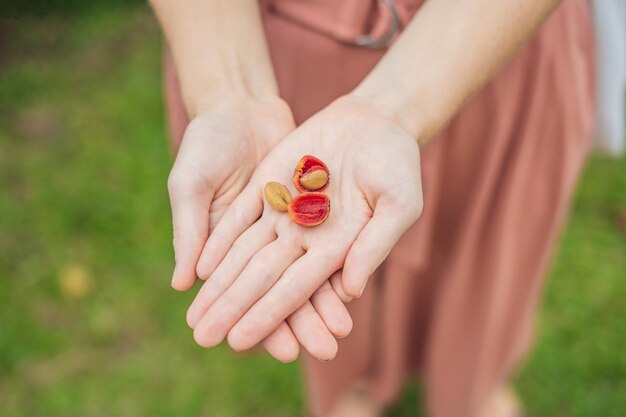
point(174, 275)
point(362, 289)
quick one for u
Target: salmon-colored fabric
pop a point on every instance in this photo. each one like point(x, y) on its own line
point(455, 299)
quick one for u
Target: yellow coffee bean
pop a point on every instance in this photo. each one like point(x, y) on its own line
point(277, 195)
point(314, 180)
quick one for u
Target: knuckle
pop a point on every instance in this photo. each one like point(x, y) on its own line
point(335, 255)
point(218, 243)
point(183, 237)
point(262, 270)
point(240, 247)
point(230, 307)
point(290, 241)
point(299, 315)
point(325, 291)
point(239, 215)
point(295, 290)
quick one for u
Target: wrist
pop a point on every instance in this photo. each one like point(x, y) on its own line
point(265, 119)
point(394, 107)
point(219, 50)
point(216, 98)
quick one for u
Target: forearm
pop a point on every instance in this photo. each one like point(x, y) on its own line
point(448, 51)
point(219, 50)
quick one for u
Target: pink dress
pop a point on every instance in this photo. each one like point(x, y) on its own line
point(456, 298)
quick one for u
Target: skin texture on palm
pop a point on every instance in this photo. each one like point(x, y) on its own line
point(375, 197)
point(217, 156)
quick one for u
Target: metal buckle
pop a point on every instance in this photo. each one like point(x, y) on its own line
point(367, 41)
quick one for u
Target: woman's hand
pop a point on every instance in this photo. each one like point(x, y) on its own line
point(375, 196)
point(219, 152)
point(231, 94)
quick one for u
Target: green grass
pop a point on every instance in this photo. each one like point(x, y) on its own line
point(83, 165)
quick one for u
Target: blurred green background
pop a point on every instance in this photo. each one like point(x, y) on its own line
point(88, 323)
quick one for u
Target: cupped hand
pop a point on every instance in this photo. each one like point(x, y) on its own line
point(220, 149)
point(264, 267)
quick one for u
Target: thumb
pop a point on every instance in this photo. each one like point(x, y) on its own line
point(390, 220)
point(190, 218)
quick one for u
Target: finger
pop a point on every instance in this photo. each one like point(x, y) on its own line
point(245, 247)
point(282, 344)
point(254, 281)
point(335, 282)
point(238, 217)
point(292, 290)
point(375, 242)
point(312, 333)
point(332, 310)
point(190, 217)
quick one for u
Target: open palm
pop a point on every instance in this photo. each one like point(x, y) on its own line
point(220, 150)
point(375, 196)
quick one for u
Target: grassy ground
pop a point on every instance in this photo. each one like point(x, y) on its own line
point(88, 323)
